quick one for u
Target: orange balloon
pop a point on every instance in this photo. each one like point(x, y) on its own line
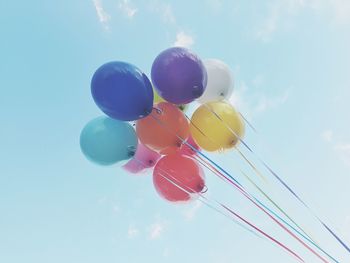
point(164, 129)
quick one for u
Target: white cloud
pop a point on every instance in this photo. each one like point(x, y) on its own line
point(254, 103)
point(156, 230)
point(127, 8)
point(168, 15)
point(183, 40)
point(341, 9)
point(164, 10)
point(343, 150)
point(277, 11)
point(116, 209)
point(132, 232)
point(266, 103)
point(280, 11)
point(166, 252)
point(327, 135)
point(214, 5)
point(102, 15)
point(269, 25)
point(191, 212)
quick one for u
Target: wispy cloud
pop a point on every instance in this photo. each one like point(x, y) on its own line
point(102, 15)
point(116, 209)
point(266, 103)
point(166, 252)
point(327, 135)
point(214, 5)
point(127, 8)
point(164, 10)
point(191, 212)
point(277, 11)
point(253, 103)
point(156, 230)
point(269, 25)
point(341, 9)
point(183, 40)
point(133, 232)
point(343, 150)
point(280, 11)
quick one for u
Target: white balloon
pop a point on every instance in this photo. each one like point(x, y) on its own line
point(220, 81)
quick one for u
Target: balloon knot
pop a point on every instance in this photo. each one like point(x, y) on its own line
point(196, 91)
point(131, 151)
point(158, 110)
point(204, 189)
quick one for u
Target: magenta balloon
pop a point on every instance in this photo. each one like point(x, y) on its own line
point(144, 158)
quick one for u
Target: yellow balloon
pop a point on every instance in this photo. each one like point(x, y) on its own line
point(157, 99)
point(216, 125)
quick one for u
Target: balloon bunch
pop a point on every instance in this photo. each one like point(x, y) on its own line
point(164, 138)
point(147, 127)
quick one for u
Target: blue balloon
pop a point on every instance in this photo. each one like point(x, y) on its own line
point(122, 91)
point(107, 141)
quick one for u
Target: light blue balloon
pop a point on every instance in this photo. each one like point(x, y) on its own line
point(106, 141)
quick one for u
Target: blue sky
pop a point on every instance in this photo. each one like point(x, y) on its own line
point(291, 64)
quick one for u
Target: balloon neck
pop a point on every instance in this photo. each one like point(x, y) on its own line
point(131, 151)
point(197, 92)
point(179, 144)
point(182, 107)
point(146, 112)
point(204, 189)
point(158, 110)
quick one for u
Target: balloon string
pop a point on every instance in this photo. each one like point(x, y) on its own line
point(204, 202)
point(234, 182)
point(248, 122)
point(257, 172)
point(306, 236)
point(207, 201)
point(256, 203)
point(240, 218)
point(260, 231)
point(283, 183)
point(250, 164)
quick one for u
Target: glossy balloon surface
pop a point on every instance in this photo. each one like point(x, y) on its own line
point(164, 129)
point(144, 158)
point(220, 81)
point(122, 91)
point(216, 126)
point(177, 171)
point(179, 75)
point(106, 141)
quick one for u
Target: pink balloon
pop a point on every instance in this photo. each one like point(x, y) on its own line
point(187, 150)
point(144, 158)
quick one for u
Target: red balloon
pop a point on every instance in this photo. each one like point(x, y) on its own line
point(187, 150)
point(176, 171)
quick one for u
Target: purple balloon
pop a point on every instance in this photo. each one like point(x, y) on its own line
point(179, 75)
